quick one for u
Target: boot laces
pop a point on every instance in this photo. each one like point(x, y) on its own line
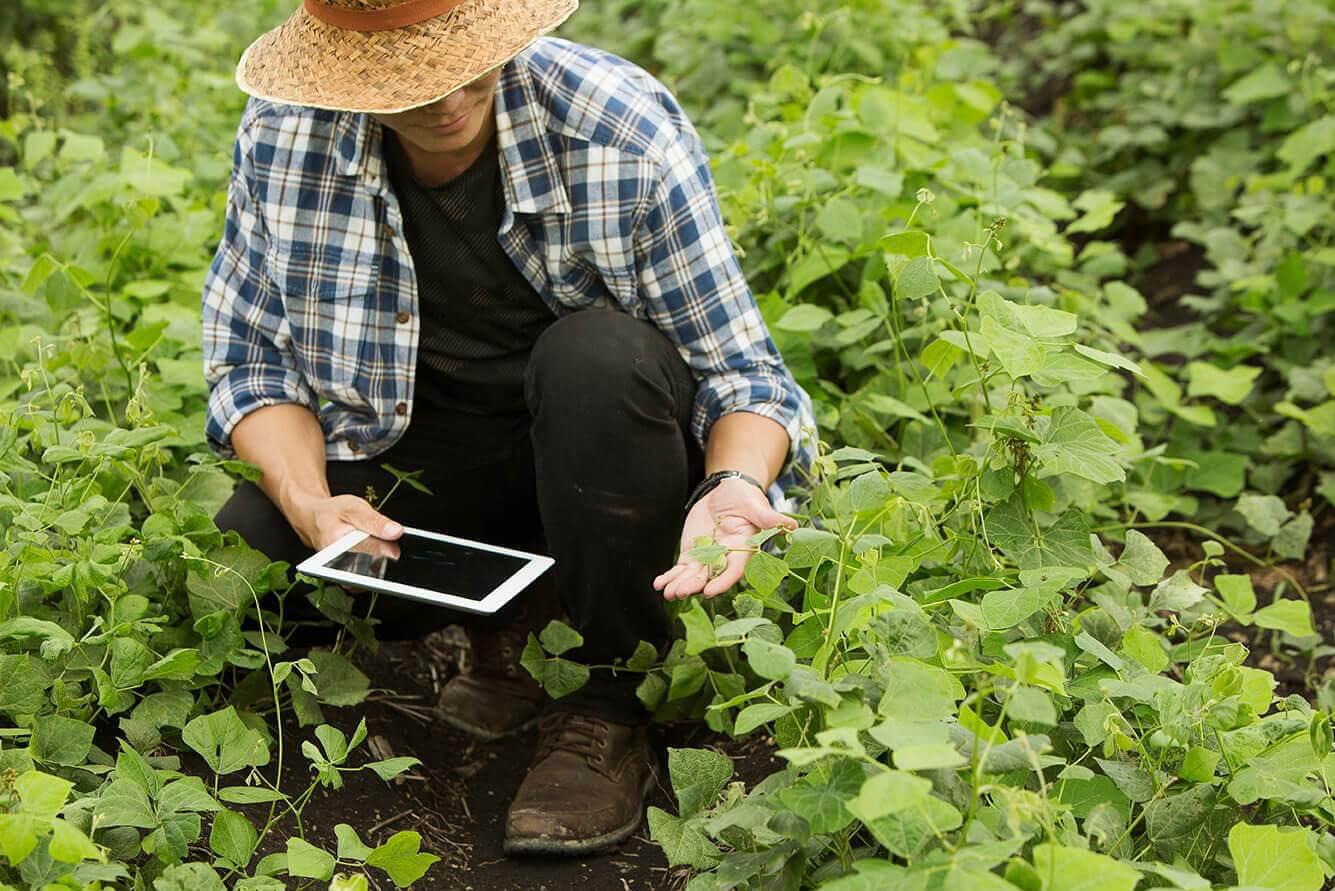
point(569, 732)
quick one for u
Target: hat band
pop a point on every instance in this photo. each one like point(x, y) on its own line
point(386, 18)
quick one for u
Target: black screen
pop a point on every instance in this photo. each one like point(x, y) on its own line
point(443, 566)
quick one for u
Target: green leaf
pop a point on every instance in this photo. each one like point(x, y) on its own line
point(1020, 354)
point(350, 844)
point(558, 638)
point(41, 794)
point(70, 845)
point(1008, 608)
point(840, 220)
point(1292, 539)
point(1264, 513)
point(1064, 543)
point(819, 798)
point(1176, 593)
point(908, 832)
point(125, 803)
point(225, 743)
point(233, 837)
point(60, 740)
point(402, 858)
point(888, 792)
point(644, 657)
point(348, 882)
point(392, 767)
point(699, 628)
point(764, 572)
point(1306, 144)
point(24, 681)
point(1146, 648)
point(1074, 443)
point(189, 877)
point(1266, 82)
point(1276, 859)
point(1070, 869)
point(698, 777)
point(753, 716)
point(248, 795)
point(18, 836)
point(1141, 558)
point(916, 280)
point(804, 318)
point(1100, 207)
point(769, 660)
point(683, 842)
point(1291, 616)
point(559, 677)
point(1237, 593)
point(307, 861)
point(1231, 385)
point(212, 589)
point(340, 683)
point(918, 691)
point(910, 243)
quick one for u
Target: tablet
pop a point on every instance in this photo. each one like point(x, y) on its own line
point(439, 569)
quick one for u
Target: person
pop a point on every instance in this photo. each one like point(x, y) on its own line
point(457, 245)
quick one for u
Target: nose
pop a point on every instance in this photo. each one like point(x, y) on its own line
point(448, 106)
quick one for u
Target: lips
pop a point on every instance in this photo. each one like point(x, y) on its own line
point(450, 125)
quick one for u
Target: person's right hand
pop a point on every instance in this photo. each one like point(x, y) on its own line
point(321, 520)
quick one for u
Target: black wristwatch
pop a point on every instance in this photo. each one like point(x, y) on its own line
point(710, 483)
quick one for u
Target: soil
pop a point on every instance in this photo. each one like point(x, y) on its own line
point(457, 798)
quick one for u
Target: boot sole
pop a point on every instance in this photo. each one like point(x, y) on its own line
point(483, 733)
point(575, 846)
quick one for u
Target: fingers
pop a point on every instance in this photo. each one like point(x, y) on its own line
point(690, 580)
point(731, 574)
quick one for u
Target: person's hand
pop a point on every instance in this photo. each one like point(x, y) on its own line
point(321, 520)
point(729, 515)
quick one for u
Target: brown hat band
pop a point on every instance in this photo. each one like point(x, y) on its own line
point(386, 18)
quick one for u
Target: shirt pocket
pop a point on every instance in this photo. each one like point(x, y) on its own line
point(332, 303)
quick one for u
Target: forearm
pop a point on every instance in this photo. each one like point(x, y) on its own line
point(294, 470)
point(746, 441)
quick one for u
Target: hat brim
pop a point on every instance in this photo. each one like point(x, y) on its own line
point(305, 61)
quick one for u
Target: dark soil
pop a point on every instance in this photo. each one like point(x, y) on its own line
point(1295, 674)
point(457, 798)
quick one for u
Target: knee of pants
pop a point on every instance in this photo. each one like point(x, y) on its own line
point(600, 358)
point(260, 523)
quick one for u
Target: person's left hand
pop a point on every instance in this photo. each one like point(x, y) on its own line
point(729, 515)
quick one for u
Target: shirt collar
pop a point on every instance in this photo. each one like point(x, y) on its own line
point(530, 174)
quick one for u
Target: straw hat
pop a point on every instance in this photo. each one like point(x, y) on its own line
point(386, 56)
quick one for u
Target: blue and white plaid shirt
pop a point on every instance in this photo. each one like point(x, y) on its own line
point(609, 202)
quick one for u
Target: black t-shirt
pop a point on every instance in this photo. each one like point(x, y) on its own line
point(479, 315)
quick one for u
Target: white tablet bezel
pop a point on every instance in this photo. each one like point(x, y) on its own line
point(537, 564)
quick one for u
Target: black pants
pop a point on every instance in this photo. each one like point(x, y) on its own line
point(599, 484)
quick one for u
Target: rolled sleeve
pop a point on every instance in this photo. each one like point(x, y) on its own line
point(694, 290)
point(248, 362)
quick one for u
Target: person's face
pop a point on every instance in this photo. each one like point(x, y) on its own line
point(450, 123)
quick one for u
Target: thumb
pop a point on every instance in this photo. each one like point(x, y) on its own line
point(368, 519)
point(764, 516)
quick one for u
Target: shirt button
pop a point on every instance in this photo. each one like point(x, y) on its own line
point(401, 408)
point(403, 317)
point(354, 445)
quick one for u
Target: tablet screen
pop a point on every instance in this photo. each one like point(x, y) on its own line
point(444, 566)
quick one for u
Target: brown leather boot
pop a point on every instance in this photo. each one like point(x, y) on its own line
point(494, 696)
point(585, 791)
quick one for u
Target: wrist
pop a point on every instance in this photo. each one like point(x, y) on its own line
point(719, 478)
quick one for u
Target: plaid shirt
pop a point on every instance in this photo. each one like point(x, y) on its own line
point(610, 202)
